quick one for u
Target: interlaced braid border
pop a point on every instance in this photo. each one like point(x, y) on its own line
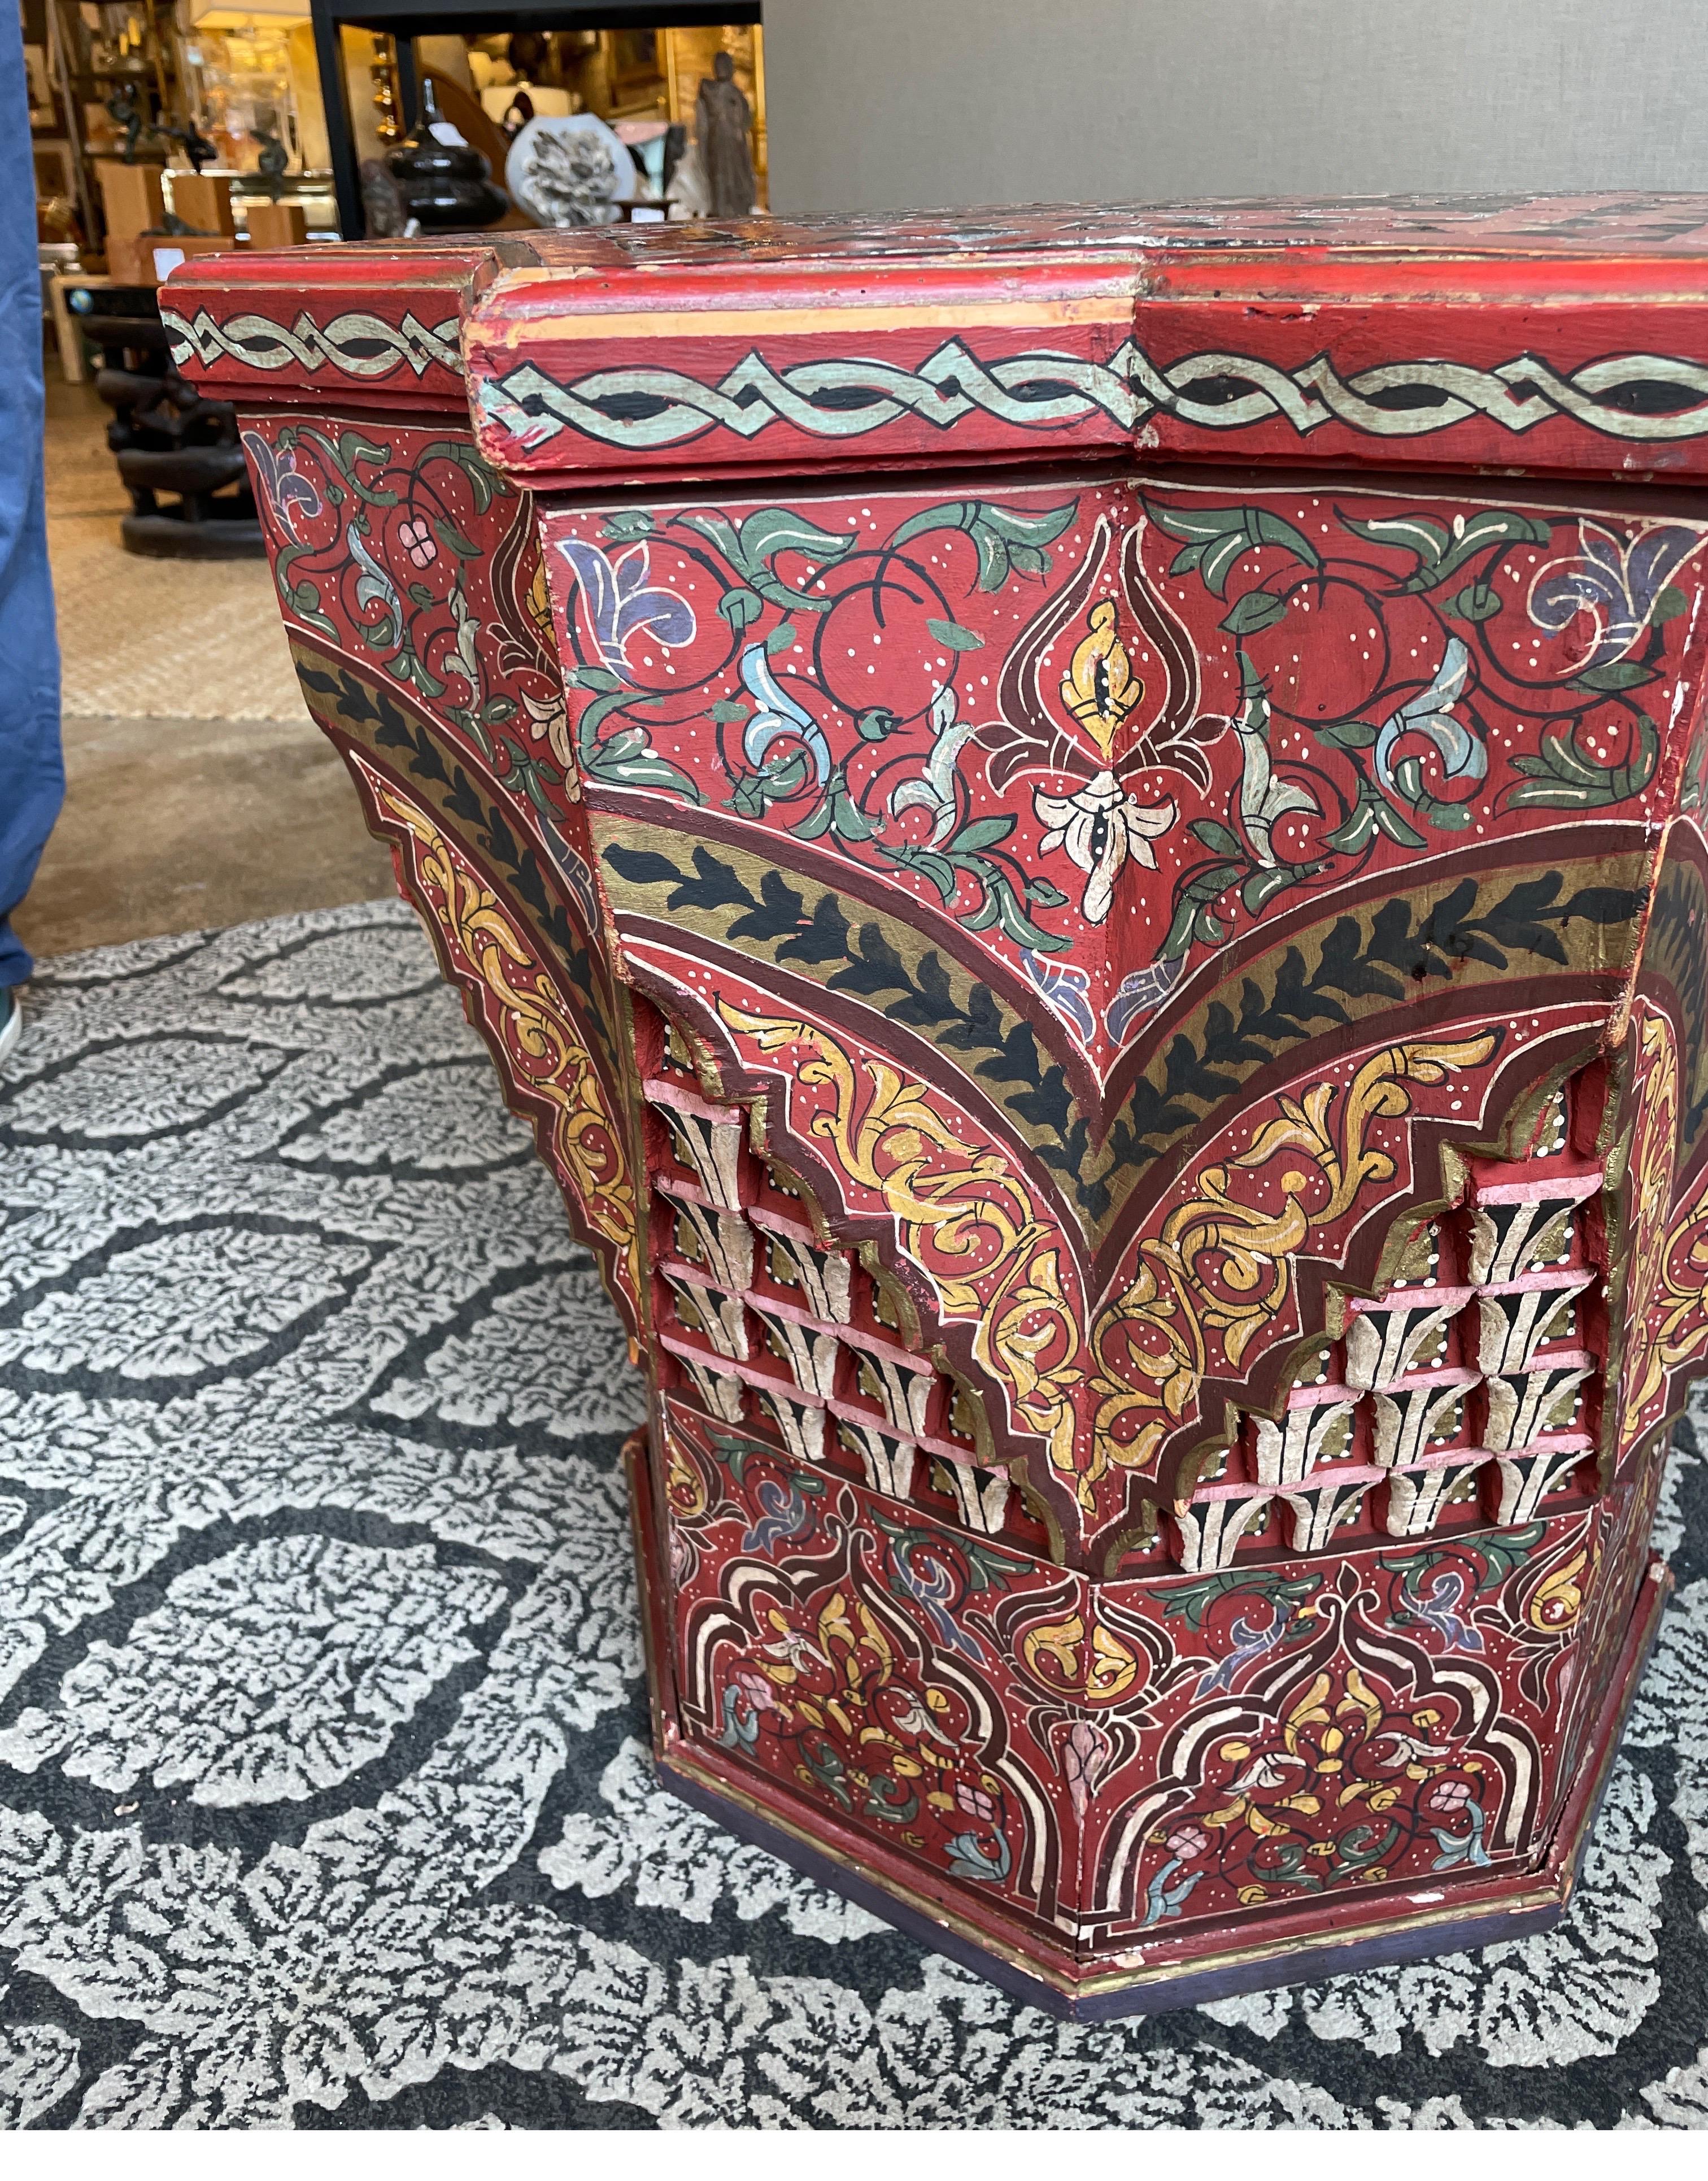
point(1628, 397)
point(357, 344)
point(1635, 398)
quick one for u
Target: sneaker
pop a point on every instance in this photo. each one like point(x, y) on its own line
point(11, 1020)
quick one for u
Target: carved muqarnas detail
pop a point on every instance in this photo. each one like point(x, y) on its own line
point(774, 1329)
point(1463, 1396)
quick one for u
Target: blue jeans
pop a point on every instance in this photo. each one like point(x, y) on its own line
point(32, 772)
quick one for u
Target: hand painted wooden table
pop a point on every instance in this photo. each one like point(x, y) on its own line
point(1081, 834)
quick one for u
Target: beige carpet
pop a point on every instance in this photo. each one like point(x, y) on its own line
point(150, 639)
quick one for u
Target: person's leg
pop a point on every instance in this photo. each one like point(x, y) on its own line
point(32, 779)
point(32, 774)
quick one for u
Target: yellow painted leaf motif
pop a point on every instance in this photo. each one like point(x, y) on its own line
point(1666, 1280)
point(1222, 1266)
point(1100, 687)
point(1311, 1710)
point(1096, 1664)
point(1557, 1602)
point(686, 1487)
point(875, 1638)
point(963, 1216)
point(1032, 1321)
point(1058, 1641)
point(1114, 1667)
point(1361, 1698)
point(486, 950)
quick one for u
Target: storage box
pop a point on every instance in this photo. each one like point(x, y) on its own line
point(204, 201)
point(276, 226)
point(131, 197)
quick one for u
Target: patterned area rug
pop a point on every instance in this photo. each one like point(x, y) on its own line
point(323, 1761)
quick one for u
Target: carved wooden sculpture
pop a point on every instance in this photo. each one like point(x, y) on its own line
point(1083, 838)
point(178, 453)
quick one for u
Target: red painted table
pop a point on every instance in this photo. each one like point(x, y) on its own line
point(1082, 834)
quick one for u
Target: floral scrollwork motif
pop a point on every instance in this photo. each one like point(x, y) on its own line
point(1361, 1759)
point(1667, 1278)
point(1220, 1266)
point(1081, 1657)
point(964, 1215)
point(545, 1054)
point(812, 1665)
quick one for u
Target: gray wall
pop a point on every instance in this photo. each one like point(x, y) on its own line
point(877, 103)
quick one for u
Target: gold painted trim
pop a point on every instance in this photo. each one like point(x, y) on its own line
point(1114, 309)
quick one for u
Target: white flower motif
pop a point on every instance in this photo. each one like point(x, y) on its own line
point(39, 2065)
point(674, 1857)
point(271, 1672)
point(1100, 825)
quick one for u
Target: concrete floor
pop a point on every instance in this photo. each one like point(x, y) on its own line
point(199, 792)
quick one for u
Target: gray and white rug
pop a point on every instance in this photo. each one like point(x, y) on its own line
point(324, 1798)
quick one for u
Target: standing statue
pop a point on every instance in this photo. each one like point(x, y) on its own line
point(722, 120)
